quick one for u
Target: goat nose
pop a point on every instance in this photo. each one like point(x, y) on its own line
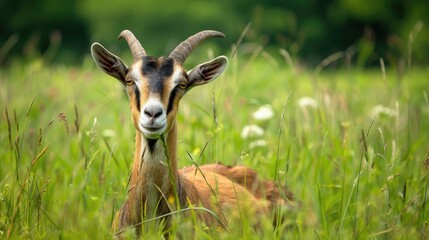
point(153, 111)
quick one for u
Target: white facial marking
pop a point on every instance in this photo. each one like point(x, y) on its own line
point(177, 76)
point(153, 119)
point(135, 74)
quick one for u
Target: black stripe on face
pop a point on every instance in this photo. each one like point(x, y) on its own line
point(157, 71)
point(149, 66)
point(150, 71)
point(171, 99)
point(166, 69)
point(137, 98)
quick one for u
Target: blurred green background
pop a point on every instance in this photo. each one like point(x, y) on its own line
point(310, 30)
point(353, 147)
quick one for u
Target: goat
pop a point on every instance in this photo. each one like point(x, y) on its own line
point(155, 86)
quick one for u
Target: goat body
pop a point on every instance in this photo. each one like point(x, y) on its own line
point(157, 187)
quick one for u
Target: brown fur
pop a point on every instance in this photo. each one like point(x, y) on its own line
point(157, 187)
point(216, 187)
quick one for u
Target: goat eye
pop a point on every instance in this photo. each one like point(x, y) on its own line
point(183, 85)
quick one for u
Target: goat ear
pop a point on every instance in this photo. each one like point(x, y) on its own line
point(206, 72)
point(109, 62)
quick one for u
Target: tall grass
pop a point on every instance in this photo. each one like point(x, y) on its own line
point(351, 144)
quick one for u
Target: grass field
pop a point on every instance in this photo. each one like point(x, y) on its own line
point(353, 145)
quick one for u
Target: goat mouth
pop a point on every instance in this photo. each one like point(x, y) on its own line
point(153, 129)
point(152, 132)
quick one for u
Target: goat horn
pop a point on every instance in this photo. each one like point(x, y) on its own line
point(184, 49)
point(136, 48)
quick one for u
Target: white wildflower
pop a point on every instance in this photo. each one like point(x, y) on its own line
point(263, 113)
point(251, 130)
point(307, 102)
point(258, 143)
point(381, 110)
point(109, 133)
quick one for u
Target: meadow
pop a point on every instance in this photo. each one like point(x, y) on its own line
point(351, 143)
